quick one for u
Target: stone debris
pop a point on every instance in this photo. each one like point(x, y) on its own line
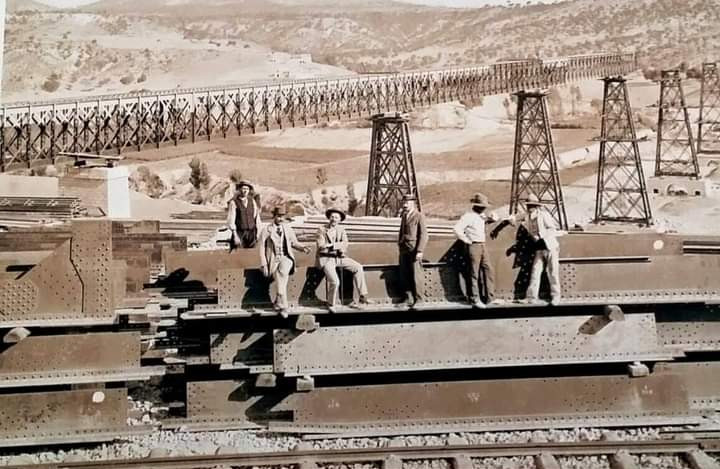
point(169, 443)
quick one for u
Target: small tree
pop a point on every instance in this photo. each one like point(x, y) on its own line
point(353, 202)
point(321, 176)
point(199, 176)
point(235, 176)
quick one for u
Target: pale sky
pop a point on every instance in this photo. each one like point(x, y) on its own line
point(447, 3)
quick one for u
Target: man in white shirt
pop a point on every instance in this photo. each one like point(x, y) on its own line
point(543, 229)
point(470, 229)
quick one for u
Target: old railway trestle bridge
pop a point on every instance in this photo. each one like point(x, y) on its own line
point(36, 133)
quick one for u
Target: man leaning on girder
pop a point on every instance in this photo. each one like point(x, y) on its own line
point(543, 229)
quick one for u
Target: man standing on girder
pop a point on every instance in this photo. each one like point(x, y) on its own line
point(541, 226)
point(277, 240)
point(412, 239)
point(470, 229)
point(332, 247)
point(243, 217)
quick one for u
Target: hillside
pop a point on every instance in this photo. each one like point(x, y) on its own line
point(15, 6)
point(132, 45)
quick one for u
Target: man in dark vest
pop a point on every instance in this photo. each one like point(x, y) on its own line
point(243, 217)
point(412, 239)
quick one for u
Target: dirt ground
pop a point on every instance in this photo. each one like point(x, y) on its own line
point(458, 151)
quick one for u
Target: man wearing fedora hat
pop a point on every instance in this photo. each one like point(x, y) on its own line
point(470, 229)
point(243, 217)
point(277, 240)
point(412, 239)
point(332, 247)
point(542, 228)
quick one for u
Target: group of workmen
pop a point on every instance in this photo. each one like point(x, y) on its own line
point(277, 241)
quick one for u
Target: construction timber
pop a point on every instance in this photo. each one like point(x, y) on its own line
point(36, 133)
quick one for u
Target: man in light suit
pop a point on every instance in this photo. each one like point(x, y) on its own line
point(412, 239)
point(543, 230)
point(332, 247)
point(277, 240)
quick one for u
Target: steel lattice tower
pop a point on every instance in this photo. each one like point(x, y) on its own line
point(675, 154)
point(392, 170)
point(621, 192)
point(709, 125)
point(534, 164)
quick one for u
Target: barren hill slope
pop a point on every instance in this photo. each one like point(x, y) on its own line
point(131, 45)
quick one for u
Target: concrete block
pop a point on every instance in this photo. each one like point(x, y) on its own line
point(28, 186)
point(683, 187)
point(105, 188)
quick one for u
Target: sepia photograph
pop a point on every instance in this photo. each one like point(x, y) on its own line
point(360, 234)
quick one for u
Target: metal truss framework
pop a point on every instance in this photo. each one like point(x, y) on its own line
point(709, 124)
point(534, 163)
point(35, 133)
point(392, 169)
point(621, 191)
point(675, 154)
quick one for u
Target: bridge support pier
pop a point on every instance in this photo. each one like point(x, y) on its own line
point(392, 169)
point(535, 168)
point(675, 154)
point(621, 191)
point(709, 124)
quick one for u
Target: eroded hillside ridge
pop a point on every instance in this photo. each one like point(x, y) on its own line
point(135, 45)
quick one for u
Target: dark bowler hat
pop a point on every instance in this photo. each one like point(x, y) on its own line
point(243, 182)
point(480, 200)
point(533, 200)
point(336, 210)
point(279, 211)
point(409, 197)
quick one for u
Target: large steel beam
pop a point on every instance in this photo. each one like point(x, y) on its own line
point(489, 405)
point(466, 344)
point(62, 417)
point(684, 269)
point(73, 358)
point(73, 285)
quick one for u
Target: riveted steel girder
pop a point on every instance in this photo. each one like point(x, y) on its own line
point(475, 343)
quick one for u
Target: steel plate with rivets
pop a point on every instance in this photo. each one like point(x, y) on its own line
point(209, 401)
point(466, 344)
point(248, 349)
point(66, 356)
point(47, 417)
point(50, 290)
point(690, 329)
point(91, 255)
point(491, 404)
point(702, 381)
